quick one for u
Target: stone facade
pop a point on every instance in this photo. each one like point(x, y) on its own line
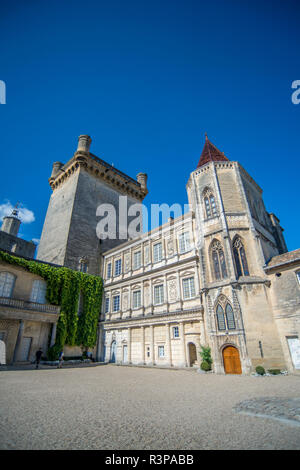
point(237, 220)
point(27, 322)
point(208, 278)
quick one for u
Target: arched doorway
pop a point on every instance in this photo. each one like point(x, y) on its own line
point(231, 359)
point(192, 354)
point(113, 350)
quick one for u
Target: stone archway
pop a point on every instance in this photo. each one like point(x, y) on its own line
point(231, 360)
point(192, 354)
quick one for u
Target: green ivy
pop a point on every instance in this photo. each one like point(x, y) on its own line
point(64, 287)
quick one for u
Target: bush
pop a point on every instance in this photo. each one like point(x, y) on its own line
point(260, 370)
point(274, 371)
point(205, 366)
point(205, 354)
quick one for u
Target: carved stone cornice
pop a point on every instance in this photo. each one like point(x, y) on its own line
point(147, 320)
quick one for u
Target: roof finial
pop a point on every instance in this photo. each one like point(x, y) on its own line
point(206, 138)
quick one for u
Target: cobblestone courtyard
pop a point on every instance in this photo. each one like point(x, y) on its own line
point(110, 407)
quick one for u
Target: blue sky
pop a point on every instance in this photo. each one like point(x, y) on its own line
point(146, 80)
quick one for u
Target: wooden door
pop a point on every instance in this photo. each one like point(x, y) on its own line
point(192, 354)
point(231, 359)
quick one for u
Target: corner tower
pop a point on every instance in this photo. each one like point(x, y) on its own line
point(79, 187)
point(235, 237)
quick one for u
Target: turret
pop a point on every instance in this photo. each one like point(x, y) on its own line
point(11, 223)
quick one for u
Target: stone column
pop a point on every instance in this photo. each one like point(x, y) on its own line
point(143, 345)
point(152, 355)
point(53, 334)
point(129, 345)
point(166, 300)
point(18, 342)
point(202, 331)
point(179, 294)
point(168, 345)
point(181, 329)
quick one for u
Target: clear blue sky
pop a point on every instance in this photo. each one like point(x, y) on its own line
point(146, 79)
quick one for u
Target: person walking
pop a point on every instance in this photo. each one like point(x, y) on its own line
point(60, 359)
point(38, 356)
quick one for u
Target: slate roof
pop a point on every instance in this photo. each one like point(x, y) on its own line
point(285, 258)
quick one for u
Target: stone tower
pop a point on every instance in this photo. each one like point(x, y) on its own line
point(235, 238)
point(9, 239)
point(79, 187)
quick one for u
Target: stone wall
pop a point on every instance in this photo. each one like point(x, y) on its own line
point(17, 245)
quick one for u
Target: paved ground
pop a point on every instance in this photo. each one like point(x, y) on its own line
point(110, 407)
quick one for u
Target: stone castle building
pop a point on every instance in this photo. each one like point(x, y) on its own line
point(219, 275)
point(26, 319)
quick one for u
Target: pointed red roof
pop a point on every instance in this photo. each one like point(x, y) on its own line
point(210, 153)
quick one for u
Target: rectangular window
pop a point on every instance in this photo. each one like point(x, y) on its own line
point(118, 267)
point(109, 271)
point(175, 332)
point(38, 293)
point(158, 294)
point(116, 303)
point(148, 351)
point(107, 305)
point(157, 252)
point(184, 242)
point(83, 267)
point(298, 276)
point(136, 299)
point(137, 260)
point(161, 351)
point(188, 288)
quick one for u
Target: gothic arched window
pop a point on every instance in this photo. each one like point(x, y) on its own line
point(209, 203)
point(218, 260)
point(240, 258)
point(225, 316)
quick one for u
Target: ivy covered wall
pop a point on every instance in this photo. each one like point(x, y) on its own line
point(64, 287)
